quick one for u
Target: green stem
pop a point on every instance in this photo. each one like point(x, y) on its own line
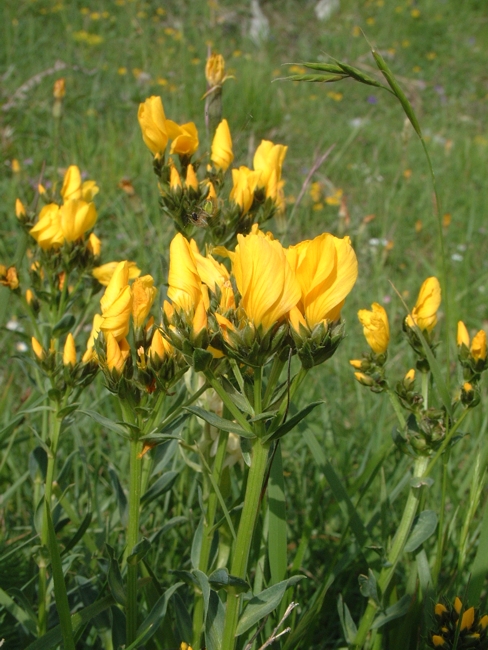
point(395, 553)
point(440, 526)
point(396, 407)
point(425, 389)
point(208, 535)
point(133, 536)
point(446, 442)
point(54, 431)
point(244, 536)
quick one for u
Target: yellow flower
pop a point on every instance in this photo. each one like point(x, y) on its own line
point(191, 178)
point(152, 121)
point(59, 88)
point(116, 303)
point(159, 348)
point(105, 272)
point(185, 138)
point(410, 376)
point(268, 161)
point(424, 314)
point(74, 188)
point(215, 70)
point(222, 155)
point(143, 295)
point(69, 351)
point(211, 272)
point(437, 640)
point(462, 334)
point(47, 231)
point(9, 277)
point(76, 217)
point(185, 285)
point(94, 245)
point(89, 354)
point(38, 349)
point(326, 269)
point(478, 346)
point(467, 619)
point(117, 353)
point(265, 280)
point(376, 328)
point(174, 179)
point(356, 363)
point(244, 183)
point(19, 209)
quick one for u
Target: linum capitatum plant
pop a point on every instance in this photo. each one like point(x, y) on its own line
point(203, 373)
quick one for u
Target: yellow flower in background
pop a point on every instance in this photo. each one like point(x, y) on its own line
point(174, 179)
point(47, 231)
point(19, 209)
point(116, 303)
point(191, 178)
point(152, 121)
point(59, 88)
point(94, 245)
point(268, 161)
point(9, 277)
point(74, 188)
point(222, 154)
point(105, 272)
point(326, 269)
point(424, 314)
point(478, 346)
point(90, 352)
point(76, 217)
point(265, 280)
point(38, 349)
point(215, 70)
point(117, 353)
point(143, 295)
point(462, 337)
point(185, 285)
point(69, 351)
point(244, 184)
point(184, 137)
point(376, 328)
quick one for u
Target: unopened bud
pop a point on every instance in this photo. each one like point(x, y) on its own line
point(20, 212)
point(364, 379)
point(38, 349)
point(69, 351)
point(356, 363)
point(59, 88)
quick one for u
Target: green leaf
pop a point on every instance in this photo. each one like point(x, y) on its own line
point(263, 603)
point(196, 545)
point(79, 533)
point(53, 638)
point(67, 410)
point(106, 423)
point(317, 78)
point(290, 424)
point(277, 543)
point(339, 491)
point(139, 551)
point(218, 422)
point(154, 619)
point(115, 581)
point(400, 608)
point(159, 487)
point(174, 521)
point(238, 398)
point(214, 622)
point(367, 586)
point(221, 579)
point(62, 604)
point(64, 325)
point(479, 568)
point(201, 359)
point(17, 612)
point(348, 625)
point(423, 527)
point(120, 496)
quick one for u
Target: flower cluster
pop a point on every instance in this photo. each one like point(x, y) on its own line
point(272, 298)
point(256, 194)
point(451, 623)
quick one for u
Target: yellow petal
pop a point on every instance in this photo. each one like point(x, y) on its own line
point(462, 334)
point(69, 351)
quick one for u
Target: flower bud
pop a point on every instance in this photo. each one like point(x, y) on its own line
point(38, 349)
point(364, 379)
point(478, 346)
point(174, 179)
point(215, 70)
point(94, 245)
point(20, 211)
point(117, 353)
point(152, 121)
point(424, 314)
point(356, 363)
point(462, 334)
point(143, 295)
point(376, 328)
point(9, 277)
point(410, 376)
point(59, 88)
point(69, 351)
point(222, 155)
point(191, 178)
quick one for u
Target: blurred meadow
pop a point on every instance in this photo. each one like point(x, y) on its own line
point(374, 186)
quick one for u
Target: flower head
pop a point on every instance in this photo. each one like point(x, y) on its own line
point(184, 137)
point(105, 272)
point(152, 121)
point(76, 217)
point(74, 188)
point(117, 353)
point(47, 231)
point(143, 295)
point(268, 161)
point(478, 346)
point(424, 314)
point(116, 303)
point(376, 328)
point(244, 184)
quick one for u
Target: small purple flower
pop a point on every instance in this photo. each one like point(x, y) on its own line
point(372, 99)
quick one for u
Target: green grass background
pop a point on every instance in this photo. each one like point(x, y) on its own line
point(438, 50)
